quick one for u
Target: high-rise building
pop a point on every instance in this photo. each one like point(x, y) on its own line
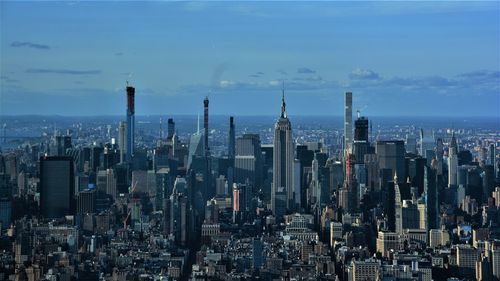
point(5, 202)
point(130, 122)
point(86, 201)
point(231, 152)
point(347, 121)
point(57, 186)
point(248, 160)
point(62, 143)
point(361, 129)
point(170, 128)
point(283, 156)
point(391, 155)
point(397, 206)
point(205, 123)
point(430, 185)
point(122, 146)
point(411, 144)
point(179, 207)
point(361, 143)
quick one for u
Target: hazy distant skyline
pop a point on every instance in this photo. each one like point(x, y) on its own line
point(398, 58)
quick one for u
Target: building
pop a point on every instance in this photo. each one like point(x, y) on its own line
point(466, 259)
point(130, 142)
point(231, 152)
point(122, 141)
point(248, 160)
point(283, 157)
point(205, 123)
point(347, 121)
point(438, 237)
point(398, 206)
point(452, 161)
point(170, 128)
point(86, 202)
point(386, 242)
point(335, 232)
point(361, 143)
point(368, 270)
point(57, 186)
point(495, 262)
point(391, 155)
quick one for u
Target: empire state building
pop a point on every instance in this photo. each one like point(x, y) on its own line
point(283, 155)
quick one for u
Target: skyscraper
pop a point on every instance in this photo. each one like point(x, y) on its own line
point(205, 123)
point(432, 200)
point(122, 141)
point(361, 144)
point(397, 206)
point(347, 121)
point(130, 122)
point(57, 186)
point(452, 161)
point(283, 156)
point(231, 152)
point(170, 128)
point(391, 155)
point(248, 160)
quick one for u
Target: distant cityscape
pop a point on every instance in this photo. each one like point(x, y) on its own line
point(284, 197)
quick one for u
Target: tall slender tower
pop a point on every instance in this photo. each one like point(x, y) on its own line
point(283, 156)
point(205, 123)
point(452, 161)
point(231, 153)
point(122, 141)
point(397, 205)
point(130, 121)
point(348, 121)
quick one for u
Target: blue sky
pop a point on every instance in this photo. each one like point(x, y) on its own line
point(398, 58)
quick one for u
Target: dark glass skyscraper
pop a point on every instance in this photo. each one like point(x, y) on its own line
point(231, 152)
point(57, 186)
point(361, 144)
point(130, 122)
point(391, 155)
point(170, 128)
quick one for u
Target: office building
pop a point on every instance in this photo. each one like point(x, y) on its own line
point(231, 152)
point(130, 122)
point(452, 161)
point(122, 141)
point(283, 156)
point(391, 155)
point(57, 186)
point(248, 160)
point(361, 144)
point(347, 121)
point(170, 128)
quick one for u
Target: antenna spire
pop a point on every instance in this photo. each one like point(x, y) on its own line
point(283, 104)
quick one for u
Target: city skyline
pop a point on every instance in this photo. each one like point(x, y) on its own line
point(441, 59)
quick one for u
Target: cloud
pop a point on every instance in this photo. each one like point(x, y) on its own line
point(256, 74)
point(62, 71)
point(118, 54)
point(364, 74)
point(308, 78)
point(7, 79)
point(282, 72)
point(305, 70)
point(17, 44)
